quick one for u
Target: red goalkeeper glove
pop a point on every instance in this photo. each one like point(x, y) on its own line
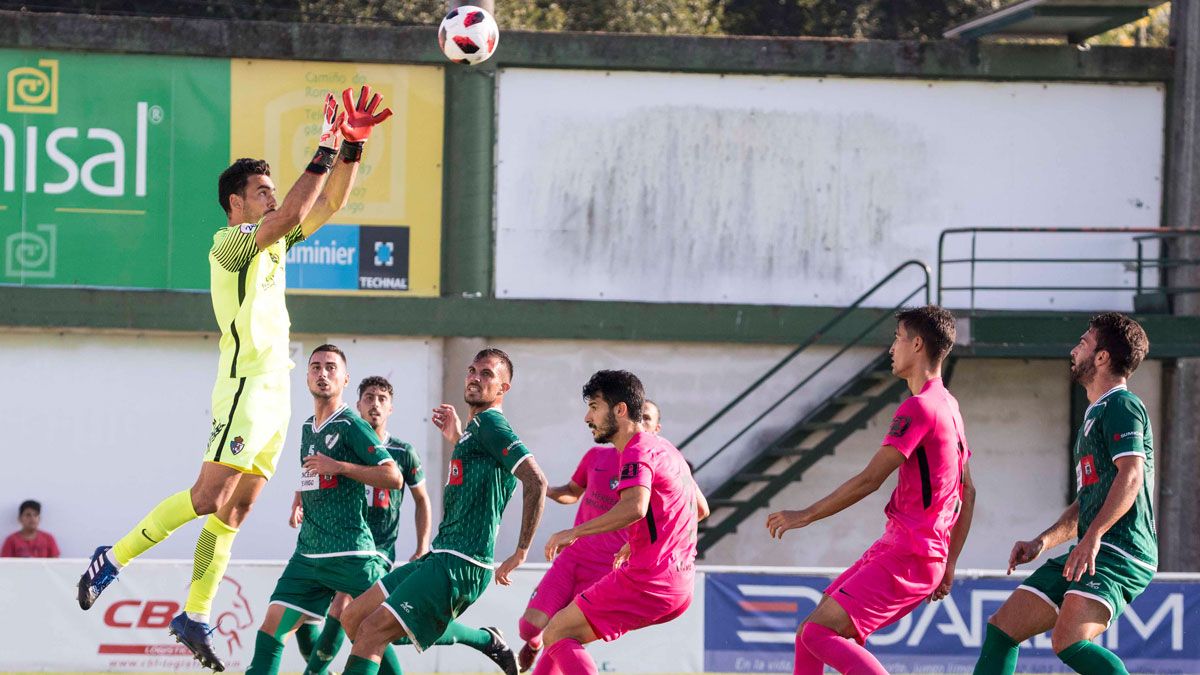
point(362, 118)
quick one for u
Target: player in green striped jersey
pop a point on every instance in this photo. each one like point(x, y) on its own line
point(383, 517)
point(1079, 594)
point(335, 552)
point(250, 399)
point(420, 602)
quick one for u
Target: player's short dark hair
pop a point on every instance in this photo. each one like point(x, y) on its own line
point(374, 381)
point(233, 180)
point(492, 352)
point(1123, 339)
point(330, 348)
point(617, 386)
point(30, 504)
point(934, 325)
point(646, 402)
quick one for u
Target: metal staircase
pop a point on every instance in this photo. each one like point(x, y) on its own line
point(774, 464)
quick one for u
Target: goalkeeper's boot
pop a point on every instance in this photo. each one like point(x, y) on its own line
point(99, 574)
point(197, 637)
point(499, 652)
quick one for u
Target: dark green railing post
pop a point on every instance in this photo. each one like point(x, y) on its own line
point(468, 187)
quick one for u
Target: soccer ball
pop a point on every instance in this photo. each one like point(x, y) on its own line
point(468, 35)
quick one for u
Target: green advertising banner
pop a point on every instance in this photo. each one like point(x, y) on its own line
point(108, 166)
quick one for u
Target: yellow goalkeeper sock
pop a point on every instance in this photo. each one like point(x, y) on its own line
point(213, 549)
point(155, 527)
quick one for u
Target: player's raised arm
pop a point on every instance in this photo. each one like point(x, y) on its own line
point(300, 199)
point(533, 502)
point(360, 119)
point(883, 464)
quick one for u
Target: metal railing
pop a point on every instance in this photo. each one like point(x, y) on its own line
point(1139, 265)
point(834, 322)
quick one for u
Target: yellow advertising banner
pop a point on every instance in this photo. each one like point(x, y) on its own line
point(388, 238)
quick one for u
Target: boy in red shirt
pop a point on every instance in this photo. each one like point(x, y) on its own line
point(29, 542)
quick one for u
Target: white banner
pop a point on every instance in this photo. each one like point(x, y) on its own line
point(126, 631)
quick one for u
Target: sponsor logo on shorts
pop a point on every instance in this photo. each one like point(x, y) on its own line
point(217, 427)
point(331, 440)
point(1092, 584)
point(900, 424)
point(406, 607)
point(237, 445)
point(630, 470)
point(456, 473)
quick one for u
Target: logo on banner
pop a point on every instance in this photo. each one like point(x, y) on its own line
point(34, 90)
point(32, 255)
point(383, 258)
point(233, 623)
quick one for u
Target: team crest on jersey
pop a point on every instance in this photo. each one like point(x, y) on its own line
point(331, 440)
point(900, 424)
point(1087, 426)
point(1087, 471)
point(237, 445)
point(456, 473)
point(612, 484)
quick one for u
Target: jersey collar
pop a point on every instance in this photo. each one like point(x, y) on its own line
point(328, 419)
point(1102, 397)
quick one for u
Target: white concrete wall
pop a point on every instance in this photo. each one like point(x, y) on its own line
point(673, 187)
point(1017, 417)
point(107, 425)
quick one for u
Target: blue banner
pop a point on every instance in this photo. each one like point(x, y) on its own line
point(351, 258)
point(750, 624)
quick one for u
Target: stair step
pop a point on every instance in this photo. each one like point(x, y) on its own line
point(725, 503)
point(820, 426)
point(789, 452)
point(880, 375)
point(849, 399)
point(755, 477)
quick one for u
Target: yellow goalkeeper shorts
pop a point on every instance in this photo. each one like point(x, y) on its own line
point(250, 421)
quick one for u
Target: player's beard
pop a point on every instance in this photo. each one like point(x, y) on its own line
point(1084, 372)
point(608, 431)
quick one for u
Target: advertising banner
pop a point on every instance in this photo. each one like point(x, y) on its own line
point(750, 625)
point(111, 181)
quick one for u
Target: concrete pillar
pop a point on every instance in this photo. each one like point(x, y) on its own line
point(1178, 469)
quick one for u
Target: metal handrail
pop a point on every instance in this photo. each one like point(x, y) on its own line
point(1139, 264)
point(812, 339)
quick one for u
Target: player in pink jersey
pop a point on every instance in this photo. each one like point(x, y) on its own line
point(584, 562)
point(928, 516)
point(657, 505)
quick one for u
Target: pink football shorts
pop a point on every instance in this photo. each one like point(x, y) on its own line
point(884, 586)
point(566, 578)
point(618, 604)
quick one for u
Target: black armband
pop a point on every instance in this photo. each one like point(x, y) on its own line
point(322, 160)
point(352, 150)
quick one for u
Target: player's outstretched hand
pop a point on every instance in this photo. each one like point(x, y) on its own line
point(943, 589)
point(782, 521)
point(621, 557)
point(361, 118)
point(323, 465)
point(513, 562)
point(1082, 559)
point(331, 124)
point(296, 519)
point(1023, 552)
point(557, 542)
point(445, 417)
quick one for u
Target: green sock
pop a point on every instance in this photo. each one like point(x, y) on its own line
point(213, 550)
point(998, 656)
point(390, 665)
point(357, 665)
point(267, 652)
point(306, 637)
point(1092, 659)
point(458, 634)
point(327, 646)
point(162, 520)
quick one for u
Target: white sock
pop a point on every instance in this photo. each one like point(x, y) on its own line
point(196, 616)
point(112, 559)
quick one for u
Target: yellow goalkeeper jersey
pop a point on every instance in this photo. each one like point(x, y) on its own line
point(247, 287)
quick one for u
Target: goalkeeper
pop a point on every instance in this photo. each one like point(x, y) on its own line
point(251, 402)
